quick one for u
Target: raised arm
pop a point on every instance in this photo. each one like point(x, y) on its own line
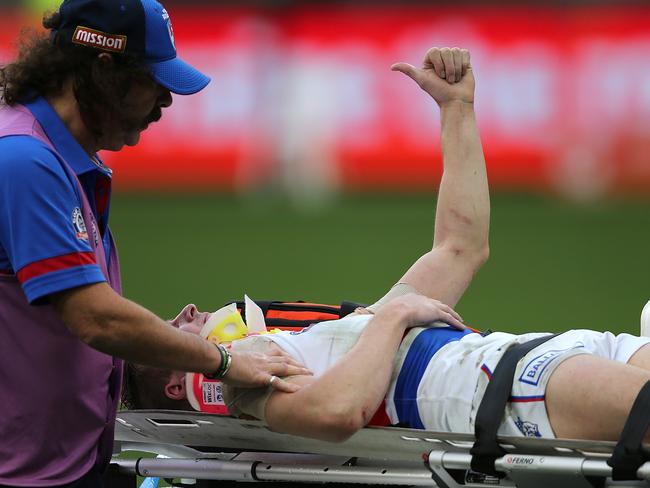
point(342, 400)
point(460, 243)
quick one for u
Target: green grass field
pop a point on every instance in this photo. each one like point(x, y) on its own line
point(553, 265)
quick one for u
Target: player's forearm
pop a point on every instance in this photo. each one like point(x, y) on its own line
point(359, 381)
point(463, 211)
point(345, 398)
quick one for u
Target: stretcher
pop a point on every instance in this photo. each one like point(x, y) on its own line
point(201, 446)
point(198, 446)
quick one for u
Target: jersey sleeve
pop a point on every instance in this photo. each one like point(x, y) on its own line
point(41, 229)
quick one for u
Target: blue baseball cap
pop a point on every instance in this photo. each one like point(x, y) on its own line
point(140, 27)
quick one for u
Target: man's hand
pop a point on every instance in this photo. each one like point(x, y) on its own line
point(413, 310)
point(446, 75)
point(254, 369)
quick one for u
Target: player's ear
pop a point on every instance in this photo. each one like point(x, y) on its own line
point(175, 387)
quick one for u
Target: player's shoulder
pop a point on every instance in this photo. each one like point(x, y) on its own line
point(24, 156)
point(253, 343)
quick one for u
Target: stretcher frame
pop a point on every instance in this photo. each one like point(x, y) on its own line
point(202, 446)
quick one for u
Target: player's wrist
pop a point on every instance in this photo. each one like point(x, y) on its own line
point(458, 104)
point(396, 313)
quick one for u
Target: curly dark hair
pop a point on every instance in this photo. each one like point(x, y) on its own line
point(45, 64)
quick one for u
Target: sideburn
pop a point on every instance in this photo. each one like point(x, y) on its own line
point(100, 89)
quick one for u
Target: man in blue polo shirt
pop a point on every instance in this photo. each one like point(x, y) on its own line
point(103, 73)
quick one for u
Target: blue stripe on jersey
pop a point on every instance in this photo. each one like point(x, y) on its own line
point(424, 346)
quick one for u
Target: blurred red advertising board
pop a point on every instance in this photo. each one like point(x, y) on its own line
point(305, 97)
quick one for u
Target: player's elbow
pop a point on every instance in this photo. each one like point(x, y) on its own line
point(339, 424)
point(481, 255)
point(472, 256)
point(475, 258)
point(338, 421)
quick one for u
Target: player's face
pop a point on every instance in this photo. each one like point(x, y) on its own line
point(141, 106)
point(190, 319)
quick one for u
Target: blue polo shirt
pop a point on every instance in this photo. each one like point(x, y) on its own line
point(43, 239)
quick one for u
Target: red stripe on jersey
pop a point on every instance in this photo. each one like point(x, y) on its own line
point(380, 418)
point(487, 371)
point(58, 263)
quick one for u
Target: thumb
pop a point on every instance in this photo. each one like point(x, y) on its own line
point(409, 70)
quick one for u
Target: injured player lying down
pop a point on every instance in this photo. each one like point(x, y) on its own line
point(408, 359)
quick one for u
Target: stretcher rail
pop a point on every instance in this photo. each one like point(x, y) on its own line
point(224, 448)
point(214, 469)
